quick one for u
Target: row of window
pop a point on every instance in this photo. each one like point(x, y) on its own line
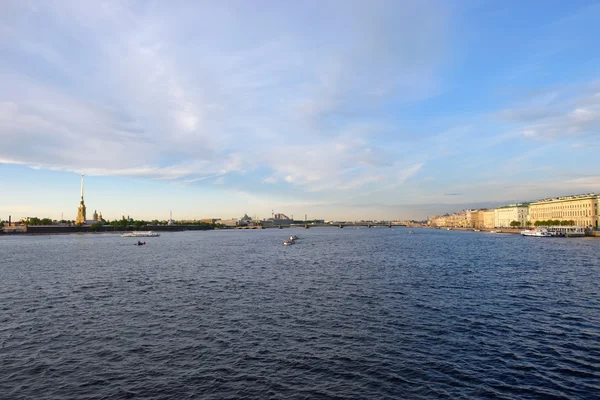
point(586, 213)
point(571, 206)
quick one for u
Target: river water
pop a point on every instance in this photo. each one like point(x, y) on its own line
point(345, 313)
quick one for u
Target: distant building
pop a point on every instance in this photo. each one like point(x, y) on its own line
point(14, 227)
point(277, 219)
point(582, 209)
point(233, 222)
point(488, 219)
point(477, 219)
point(504, 216)
point(81, 219)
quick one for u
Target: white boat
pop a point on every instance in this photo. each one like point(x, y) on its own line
point(536, 232)
point(139, 234)
point(288, 242)
point(476, 230)
point(567, 231)
point(293, 237)
point(496, 231)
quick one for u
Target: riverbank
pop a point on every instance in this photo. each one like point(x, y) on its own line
point(54, 230)
point(516, 231)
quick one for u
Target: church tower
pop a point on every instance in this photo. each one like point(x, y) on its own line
point(81, 209)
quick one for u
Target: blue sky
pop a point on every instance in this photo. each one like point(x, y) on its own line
point(335, 109)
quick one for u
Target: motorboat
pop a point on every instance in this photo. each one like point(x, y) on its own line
point(476, 230)
point(498, 231)
point(140, 243)
point(138, 234)
point(288, 242)
point(293, 237)
point(536, 232)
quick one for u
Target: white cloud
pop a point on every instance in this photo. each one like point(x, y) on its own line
point(132, 89)
point(572, 111)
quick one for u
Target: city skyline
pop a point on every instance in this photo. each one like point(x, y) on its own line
point(340, 110)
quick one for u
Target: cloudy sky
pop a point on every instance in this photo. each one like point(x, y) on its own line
point(335, 109)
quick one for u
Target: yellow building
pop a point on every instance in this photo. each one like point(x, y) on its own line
point(456, 220)
point(477, 220)
point(438, 221)
point(582, 209)
point(488, 219)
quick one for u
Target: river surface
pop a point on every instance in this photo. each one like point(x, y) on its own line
point(345, 313)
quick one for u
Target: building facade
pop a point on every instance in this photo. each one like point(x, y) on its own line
point(504, 216)
point(581, 209)
point(478, 218)
point(488, 219)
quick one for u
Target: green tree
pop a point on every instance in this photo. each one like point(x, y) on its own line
point(95, 227)
point(515, 224)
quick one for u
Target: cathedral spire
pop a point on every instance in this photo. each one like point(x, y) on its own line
point(81, 217)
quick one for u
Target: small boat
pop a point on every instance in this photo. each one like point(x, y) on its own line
point(293, 237)
point(476, 230)
point(536, 233)
point(140, 243)
point(448, 229)
point(288, 242)
point(498, 231)
point(140, 234)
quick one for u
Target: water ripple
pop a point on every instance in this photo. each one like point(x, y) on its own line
point(368, 313)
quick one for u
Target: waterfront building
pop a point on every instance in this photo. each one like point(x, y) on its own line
point(95, 216)
point(582, 209)
point(488, 219)
point(504, 216)
point(477, 219)
point(456, 220)
point(81, 209)
point(277, 219)
point(438, 221)
point(469, 217)
point(233, 222)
